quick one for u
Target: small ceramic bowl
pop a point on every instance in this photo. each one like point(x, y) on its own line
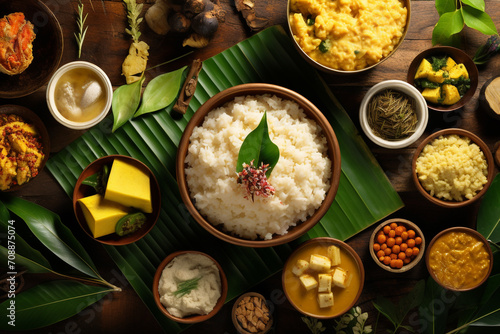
point(330, 70)
point(409, 226)
point(306, 301)
point(47, 48)
point(249, 297)
point(460, 57)
point(310, 111)
point(192, 318)
point(31, 118)
point(106, 89)
point(459, 263)
point(421, 112)
point(82, 190)
point(463, 133)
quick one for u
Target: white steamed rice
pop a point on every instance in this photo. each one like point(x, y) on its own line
point(301, 176)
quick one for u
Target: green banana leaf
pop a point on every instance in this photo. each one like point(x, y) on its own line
point(488, 217)
point(365, 195)
point(49, 229)
point(48, 303)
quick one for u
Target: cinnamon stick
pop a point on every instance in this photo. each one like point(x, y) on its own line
point(188, 88)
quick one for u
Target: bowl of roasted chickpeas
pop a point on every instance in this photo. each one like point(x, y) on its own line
point(397, 245)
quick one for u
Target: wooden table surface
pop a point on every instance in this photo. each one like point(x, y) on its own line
point(107, 44)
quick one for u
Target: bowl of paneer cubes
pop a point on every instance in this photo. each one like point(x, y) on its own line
point(323, 278)
point(446, 76)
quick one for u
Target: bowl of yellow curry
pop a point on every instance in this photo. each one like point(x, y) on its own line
point(345, 37)
point(24, 146)
point(446, 76)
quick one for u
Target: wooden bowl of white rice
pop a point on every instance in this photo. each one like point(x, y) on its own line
point(306, 176)
point(452, 168)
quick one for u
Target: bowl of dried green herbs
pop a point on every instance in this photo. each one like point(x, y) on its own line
point(393, 114)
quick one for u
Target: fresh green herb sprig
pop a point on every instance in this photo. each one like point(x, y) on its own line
point(314, 325)
point(133, 12)
point(353, 322)
point(80, 21)
point(185, 287)
point(488, 50)
point(455, 15)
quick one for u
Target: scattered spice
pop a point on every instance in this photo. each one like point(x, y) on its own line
point(391, 115)
point(188, 88)
point(254, 180)
point(252, 314)
point(247, 10)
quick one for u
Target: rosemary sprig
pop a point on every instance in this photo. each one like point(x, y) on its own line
point(80, 21)
point(133, 12)
point(185, 287)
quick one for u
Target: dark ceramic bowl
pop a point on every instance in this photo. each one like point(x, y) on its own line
point(47, 48)
point(192, 318)
point(469, 231)
point(82, 190)
point(290, 286)
point(463, 133)
point(409, 226)
point(31, 118)
point(460, 57)
point(330, 70)
point(310, 110)
point(237, 323)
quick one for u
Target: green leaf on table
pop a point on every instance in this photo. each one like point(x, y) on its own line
point(125, 102)
point(477, 4)
point(49, 229)
point(4, 214)
point(448, 24)
point(32, 266)
point(258, 147)
point(445, 6)
point(48, 303)
point(488, 217)
point(161, 92)
point(397, 313)
point(479, 20)
point(433, 310)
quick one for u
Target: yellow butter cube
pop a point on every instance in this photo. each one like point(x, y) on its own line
point(308, 282)
point(437, 76)
point(459, 70)
point(432, 94)
point(300, 267)
point(334, 255)
point(325, 299)
point(451, 95)
point(130, 186)
point(449, 64)
point(319, 263)
point(423, 69)
point(101, 215)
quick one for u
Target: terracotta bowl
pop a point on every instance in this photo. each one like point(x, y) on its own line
point(475, 139)
point(238, 325)
point(324, 68)
point(192, 318)
point(465, 230)
point(409, 226)
point(460, 57)
point(291, 284)
point(310, 110)
point(47, 48)
point(82, 190)
point(31, 118)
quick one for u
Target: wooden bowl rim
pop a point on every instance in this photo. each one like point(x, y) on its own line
point(330, 241)
point(461, 132)
point(465, 230)
point(31, 118)
point(236, 323)
point(310, 110)
point(452, 52)
point(58, 56)
point(326, 69)
point(115, 240)
point(405, 267)
point(192, 318)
